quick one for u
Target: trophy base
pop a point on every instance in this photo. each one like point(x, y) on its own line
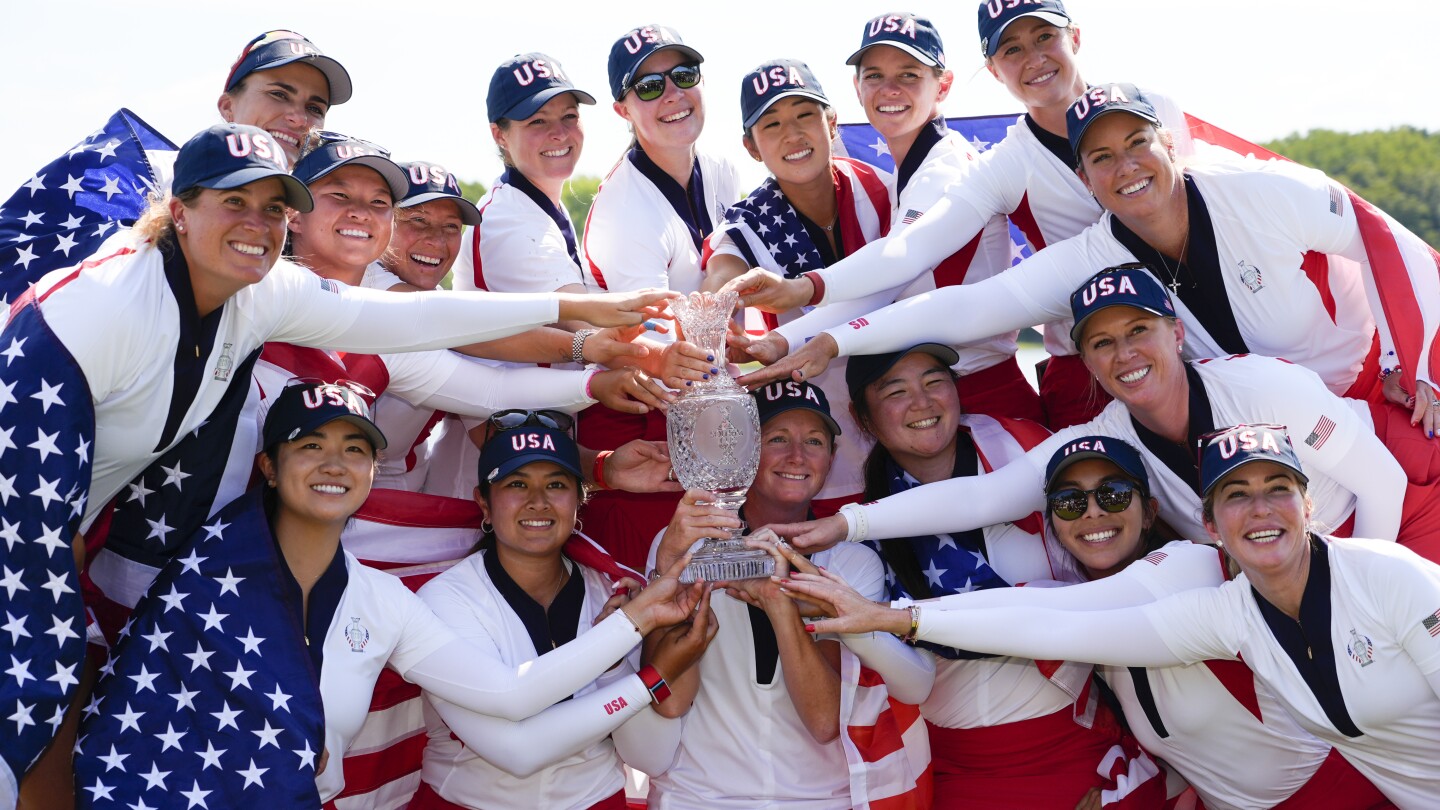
point(726, 560)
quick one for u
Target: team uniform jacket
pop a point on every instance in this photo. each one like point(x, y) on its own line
point(742, 744)
point(1349, 470)
point(569, 758)
point(634, 237)
point(524, 243)
point(1252, 226)
point(157, 372)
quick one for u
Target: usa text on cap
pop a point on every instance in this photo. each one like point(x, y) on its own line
point(1226, 450)
point(430, 182)
point(779, 397)
point(336, 150)
point(1128, 285)
point(232, 155)
point(1116, 451)
point(910, 33)
point(275, 48)
point(996, 16)
point(509, 450)
point(639, 44)
point(525, 83)
point(774, 80)
point(1101, 99)
point(305, 406)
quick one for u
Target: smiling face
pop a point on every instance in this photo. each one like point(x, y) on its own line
point(323, 477)
point(1130, 168)
point(546, 146)
point(796, 449)
point(899, 93)
point(350, 226)
point(287, 102)
point(230, 238)
point(1036, 63)
point(533, 509)
point(1102, 542)
point(674, 120)
point(425, 243)
point(1134, 354)
point(913, 409)
point(1259, 513)
point(792, 138)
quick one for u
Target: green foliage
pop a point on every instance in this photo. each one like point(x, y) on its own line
point(1397, 170)
point(577, 196)
point(471, 190)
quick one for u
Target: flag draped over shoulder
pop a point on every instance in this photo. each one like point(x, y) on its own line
point(47, 434)
point(415, 537)
point(66, 209)
point(209, 698)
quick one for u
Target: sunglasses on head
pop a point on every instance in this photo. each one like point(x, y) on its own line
point(652, 85)
point(1112, 496)
point(515, 418)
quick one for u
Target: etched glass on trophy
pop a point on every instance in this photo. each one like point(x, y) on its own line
point(714, 433)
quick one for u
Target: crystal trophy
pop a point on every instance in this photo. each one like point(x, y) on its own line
point(714, 434)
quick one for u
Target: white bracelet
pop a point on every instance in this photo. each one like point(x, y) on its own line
point(857, 525)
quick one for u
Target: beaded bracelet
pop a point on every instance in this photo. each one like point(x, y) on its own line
point(909, 638)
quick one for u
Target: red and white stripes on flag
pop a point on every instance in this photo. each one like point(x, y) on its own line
point(414, 537)
point(887, 746)
point(1320, 433)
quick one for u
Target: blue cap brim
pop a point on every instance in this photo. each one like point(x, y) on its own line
point(1085, 127)
point(811, 94)
point(469, 214)
point(1075, 330)
point(796, 406)
point(370, 429)
point(527, 107)
point(395, 177)
point(925, 58)
point(1057, 20)
point(514, 463)
point(335, 74)
point(297, 196)
point(1141, 476)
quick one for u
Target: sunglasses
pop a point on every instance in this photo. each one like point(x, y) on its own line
point(1071, 503)
point(515, 419)
point(652, 85)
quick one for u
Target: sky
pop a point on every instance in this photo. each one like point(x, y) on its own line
point(1255, 68)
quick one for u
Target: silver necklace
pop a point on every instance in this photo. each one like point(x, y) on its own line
point(1174, 273)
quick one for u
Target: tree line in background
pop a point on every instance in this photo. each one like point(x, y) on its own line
point(1398, 170)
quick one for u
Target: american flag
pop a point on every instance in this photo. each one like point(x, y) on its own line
point(1320, 433)
point(1431, 623)
point(209, 698)
point(1155, 557)
point(67, 208)
point(47, 434)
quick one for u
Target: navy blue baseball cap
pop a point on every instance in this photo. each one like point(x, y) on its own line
point(231, 155)
point(336, 150)
point(1099, 99)
point(910, 33)
point(1116, 451)
point(773, 81)
point(430, 182)
point(788, 395)
point(996, 16)
point(305, 405)
point(1128, 285)
point(863, 369)
point(524, 83)
point(636, 46)
point(509, 450)
point(275, 48)
point(1224, 451)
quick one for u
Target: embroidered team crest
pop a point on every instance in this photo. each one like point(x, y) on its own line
point(1361, 649)
point(225, 364)
point(1250, 276)
point(356, 635)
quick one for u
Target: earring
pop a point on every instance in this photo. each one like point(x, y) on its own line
point(179, 228)
point(486, 527)
point(272, 483)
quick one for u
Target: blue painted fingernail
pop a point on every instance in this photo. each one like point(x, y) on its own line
point(714, 371)
point(704, 376)
point(688, 382)
point(710, 358)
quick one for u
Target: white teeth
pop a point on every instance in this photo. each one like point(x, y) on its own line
point(1136, 186)
point(1263, 536)
point(892, 108)
point(351, 232)
point(428, 261)
point(792, 476)
point(924, 423)
point(800, 155)
point(1135, 376)
point(670, 119)
point(555, 153)
point(537, 524)
point(1046, 77)
point(330, 489)
point(248, 250)
point(284, 137)
point(1099, 537)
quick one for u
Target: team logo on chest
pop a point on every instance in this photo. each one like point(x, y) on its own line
point(1250, 276)
point(356, 635)
point(1361, 649)
point(225, 364)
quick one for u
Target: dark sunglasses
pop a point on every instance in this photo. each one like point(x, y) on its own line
point(515, 418)
point(652, 85)
point(1071, 503)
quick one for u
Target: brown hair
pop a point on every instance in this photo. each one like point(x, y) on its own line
point(157, 225)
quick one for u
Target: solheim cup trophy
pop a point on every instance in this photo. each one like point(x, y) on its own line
point(714, 433)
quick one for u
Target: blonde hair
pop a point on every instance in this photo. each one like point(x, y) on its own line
point(156, 225)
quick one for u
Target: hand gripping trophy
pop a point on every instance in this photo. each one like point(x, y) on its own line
point(714, 433)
